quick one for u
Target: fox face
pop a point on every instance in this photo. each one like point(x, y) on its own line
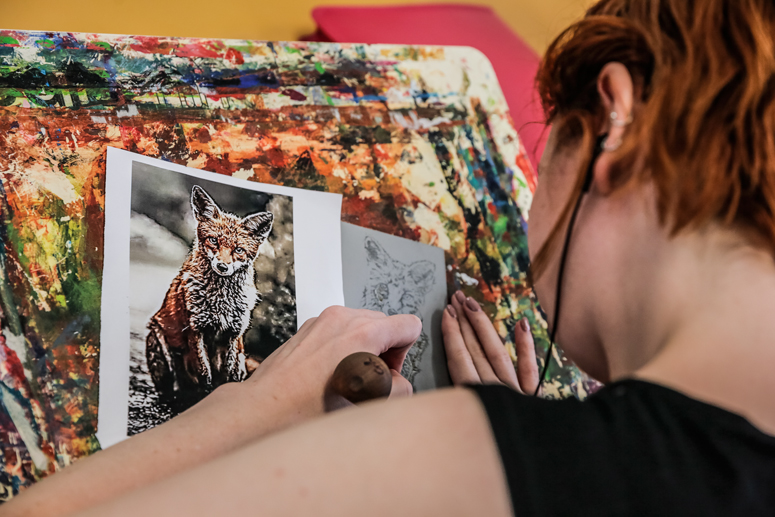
point(230, 243)
point(395, 287)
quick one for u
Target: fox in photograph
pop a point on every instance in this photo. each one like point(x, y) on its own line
point(195, 341)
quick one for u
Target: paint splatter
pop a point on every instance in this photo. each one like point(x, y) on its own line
point(417, 139)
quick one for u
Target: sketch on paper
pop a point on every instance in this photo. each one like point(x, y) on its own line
point(212, 288)
point(395, 287)
point(398, 276)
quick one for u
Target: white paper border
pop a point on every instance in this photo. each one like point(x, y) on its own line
point(317, 263)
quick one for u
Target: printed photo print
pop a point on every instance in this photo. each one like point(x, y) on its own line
point(212, 288)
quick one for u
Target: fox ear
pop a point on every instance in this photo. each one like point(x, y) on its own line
point(203, 205)
point(422, 273)
point(259, 225)
point(376, 253)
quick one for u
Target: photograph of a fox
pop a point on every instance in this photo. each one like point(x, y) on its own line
point(212, 288)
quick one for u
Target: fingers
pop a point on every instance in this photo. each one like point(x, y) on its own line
point(491, 343)
point(358, 330)
point(461, 366)
point(401, 387)
point(394, 357)
point(481, 363)
point(391, 337)
point(527, 367)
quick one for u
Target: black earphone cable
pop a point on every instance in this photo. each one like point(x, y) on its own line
point(557, 305)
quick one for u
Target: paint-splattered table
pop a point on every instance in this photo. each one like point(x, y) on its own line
point(417, 139)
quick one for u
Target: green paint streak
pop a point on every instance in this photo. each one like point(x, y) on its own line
point(17, 242)
point(320, 68)
point(48, 43)
point(6, 298)
point(329, 100)
point(8, 40)
point(401, 75)
point(292, 50)
point(102, 44)
point(500, 225)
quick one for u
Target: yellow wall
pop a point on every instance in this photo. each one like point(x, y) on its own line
point(537, 21)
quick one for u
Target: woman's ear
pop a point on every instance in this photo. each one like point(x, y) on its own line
point(615, 86)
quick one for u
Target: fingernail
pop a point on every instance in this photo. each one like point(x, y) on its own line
point(472, 304)
point(451, 311)
point(524, 324)
point(460, 297)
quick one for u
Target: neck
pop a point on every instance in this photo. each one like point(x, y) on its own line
point(708, 329)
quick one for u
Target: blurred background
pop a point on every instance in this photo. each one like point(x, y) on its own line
point(536, 21)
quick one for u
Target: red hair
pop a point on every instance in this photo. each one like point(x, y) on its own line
point(704, 131)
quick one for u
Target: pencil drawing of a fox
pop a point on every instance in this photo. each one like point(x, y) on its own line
point(195, 340)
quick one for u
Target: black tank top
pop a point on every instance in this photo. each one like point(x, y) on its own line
point(633, 448)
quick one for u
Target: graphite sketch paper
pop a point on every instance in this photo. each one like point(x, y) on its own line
point(399, 276)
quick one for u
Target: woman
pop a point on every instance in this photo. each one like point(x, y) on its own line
point(668, 286)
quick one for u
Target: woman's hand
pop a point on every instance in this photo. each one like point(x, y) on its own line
point(296, 375)
point(475, 351)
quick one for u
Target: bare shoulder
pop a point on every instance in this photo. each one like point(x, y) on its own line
point(432, 454)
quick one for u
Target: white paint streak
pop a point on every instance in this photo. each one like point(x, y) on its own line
point(130, 111)
point(422, 174)
point(19, 345)
point(369, 194)
point(430, 224)
point(467, 279)
point(243, 174)
point(24, 428)
point(416, 123)
point(54, 181)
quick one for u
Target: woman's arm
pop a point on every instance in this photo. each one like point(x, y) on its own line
point(431, 454)
point(288, 388)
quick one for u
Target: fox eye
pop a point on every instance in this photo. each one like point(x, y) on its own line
point(212, 240)
point(239, 250)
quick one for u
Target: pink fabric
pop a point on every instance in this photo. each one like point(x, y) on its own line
point(514, 62)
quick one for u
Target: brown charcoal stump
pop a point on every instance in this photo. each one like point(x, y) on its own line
point(360, 377)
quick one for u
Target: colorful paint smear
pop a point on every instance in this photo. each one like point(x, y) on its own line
point(417, 139)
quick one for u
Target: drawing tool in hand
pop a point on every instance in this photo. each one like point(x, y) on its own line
point(360, 377)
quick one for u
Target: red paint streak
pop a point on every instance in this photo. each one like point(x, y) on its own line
point(203, 135)
point(198, 50)
point(151, 45)
point(294, 95)
point(235, 56)
point(14, 367)
point(91, 46)
point(527, 170)
point(220, 165)
point(367, 213)
point(276, 157)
